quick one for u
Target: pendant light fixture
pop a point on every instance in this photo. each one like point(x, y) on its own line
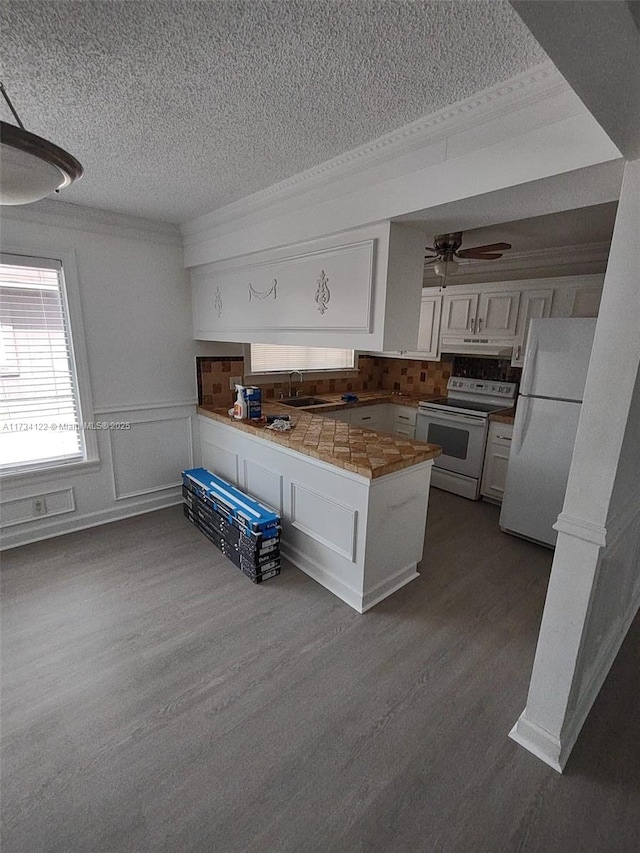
point(31, 168)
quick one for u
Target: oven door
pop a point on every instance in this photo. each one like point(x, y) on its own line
point(461, 437)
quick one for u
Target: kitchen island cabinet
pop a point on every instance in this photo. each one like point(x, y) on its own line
point(353, 501)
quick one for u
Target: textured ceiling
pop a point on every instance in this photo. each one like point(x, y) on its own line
point(178, 108)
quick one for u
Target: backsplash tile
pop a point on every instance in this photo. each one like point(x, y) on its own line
point(376, 374)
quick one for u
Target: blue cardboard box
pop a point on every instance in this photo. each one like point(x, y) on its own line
point(243, 511)
point(253, 396)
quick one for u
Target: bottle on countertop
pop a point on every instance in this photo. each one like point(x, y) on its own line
point(240, 405)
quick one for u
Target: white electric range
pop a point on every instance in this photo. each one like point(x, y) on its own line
point(459, 424)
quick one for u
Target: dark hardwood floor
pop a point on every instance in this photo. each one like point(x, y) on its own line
point(155, 700)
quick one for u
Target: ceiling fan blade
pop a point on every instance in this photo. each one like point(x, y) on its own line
point(483, 256)
point(429, 260)
point(490, 247)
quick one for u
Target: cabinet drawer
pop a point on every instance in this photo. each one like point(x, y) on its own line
point(405, 415)
point(500, 434)
point(402, 429)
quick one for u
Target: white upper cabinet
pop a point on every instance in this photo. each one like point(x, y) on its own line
point(497, 315)
point(480, 313)
point(429, 329)
point(577, 295)
point(534, 305)
point(459, 311)
point(359, 290)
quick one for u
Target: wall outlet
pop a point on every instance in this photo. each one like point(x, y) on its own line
point(39, 506)
point(233, 381)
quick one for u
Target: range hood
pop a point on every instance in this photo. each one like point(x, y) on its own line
point(475, 345)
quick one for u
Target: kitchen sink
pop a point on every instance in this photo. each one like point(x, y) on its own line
point(302, 402)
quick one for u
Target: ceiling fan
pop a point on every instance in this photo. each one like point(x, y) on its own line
point(446, 250)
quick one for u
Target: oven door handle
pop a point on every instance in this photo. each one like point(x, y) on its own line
point(454, 419)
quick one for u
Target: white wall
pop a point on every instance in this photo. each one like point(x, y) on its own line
point(594, 589)
point(136, 309)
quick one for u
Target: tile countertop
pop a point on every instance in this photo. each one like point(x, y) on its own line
point(506, 417)
point(363, 451)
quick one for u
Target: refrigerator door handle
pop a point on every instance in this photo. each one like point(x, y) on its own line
point(531, 358)
point(521, 434)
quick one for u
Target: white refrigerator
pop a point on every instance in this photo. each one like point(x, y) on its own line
point(544, 432)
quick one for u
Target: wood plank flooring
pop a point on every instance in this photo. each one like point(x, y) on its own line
point(155, 700)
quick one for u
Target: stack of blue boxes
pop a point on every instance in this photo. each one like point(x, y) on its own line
point(244, 530)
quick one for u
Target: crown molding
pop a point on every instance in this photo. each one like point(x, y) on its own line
point(562, 259)
point(62, 214)
point(525, 89)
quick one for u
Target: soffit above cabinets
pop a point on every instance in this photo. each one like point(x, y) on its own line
point(176, 109)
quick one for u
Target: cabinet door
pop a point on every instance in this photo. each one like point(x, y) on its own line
point(586, 301)
point(429, 330)
point(534, 305)
point(577, 296)
point(459, 313)
point(497, 314)
point(496, 461)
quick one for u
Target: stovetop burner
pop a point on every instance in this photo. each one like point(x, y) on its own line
point(477, 396)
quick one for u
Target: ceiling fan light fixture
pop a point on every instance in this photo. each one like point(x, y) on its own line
point(31, 168)
point(443, 267)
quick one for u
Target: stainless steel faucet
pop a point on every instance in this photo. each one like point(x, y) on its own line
point(291, 392)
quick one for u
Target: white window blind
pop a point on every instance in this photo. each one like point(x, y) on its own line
point(272, 358)
point(39, 406)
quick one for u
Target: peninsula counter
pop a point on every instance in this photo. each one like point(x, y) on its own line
point(353, 501)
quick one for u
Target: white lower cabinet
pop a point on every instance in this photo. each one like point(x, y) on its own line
point(372, 417)
point(404, 421)
point(385, 417)
point(496, 461)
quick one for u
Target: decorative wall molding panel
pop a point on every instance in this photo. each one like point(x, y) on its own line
point(216, 458)
point(328, 292)
point(25, 535)
point(150, 456)
point(351, 267)
point(324, 519)
point(218, 303)
point(255, 294)
point(37, 507)
point(323, 294)
point(139, 407)
point(265, 484)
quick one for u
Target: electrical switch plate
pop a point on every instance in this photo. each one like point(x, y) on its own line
point(233, 381)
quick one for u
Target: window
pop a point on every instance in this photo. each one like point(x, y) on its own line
point(271, 358)
point(40, 416)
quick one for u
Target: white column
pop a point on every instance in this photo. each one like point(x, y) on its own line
point(594, 590)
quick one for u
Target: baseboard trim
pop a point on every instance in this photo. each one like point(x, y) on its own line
point(538, 741)
point(91, 519)
point(325, 578)
point(388, 586)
